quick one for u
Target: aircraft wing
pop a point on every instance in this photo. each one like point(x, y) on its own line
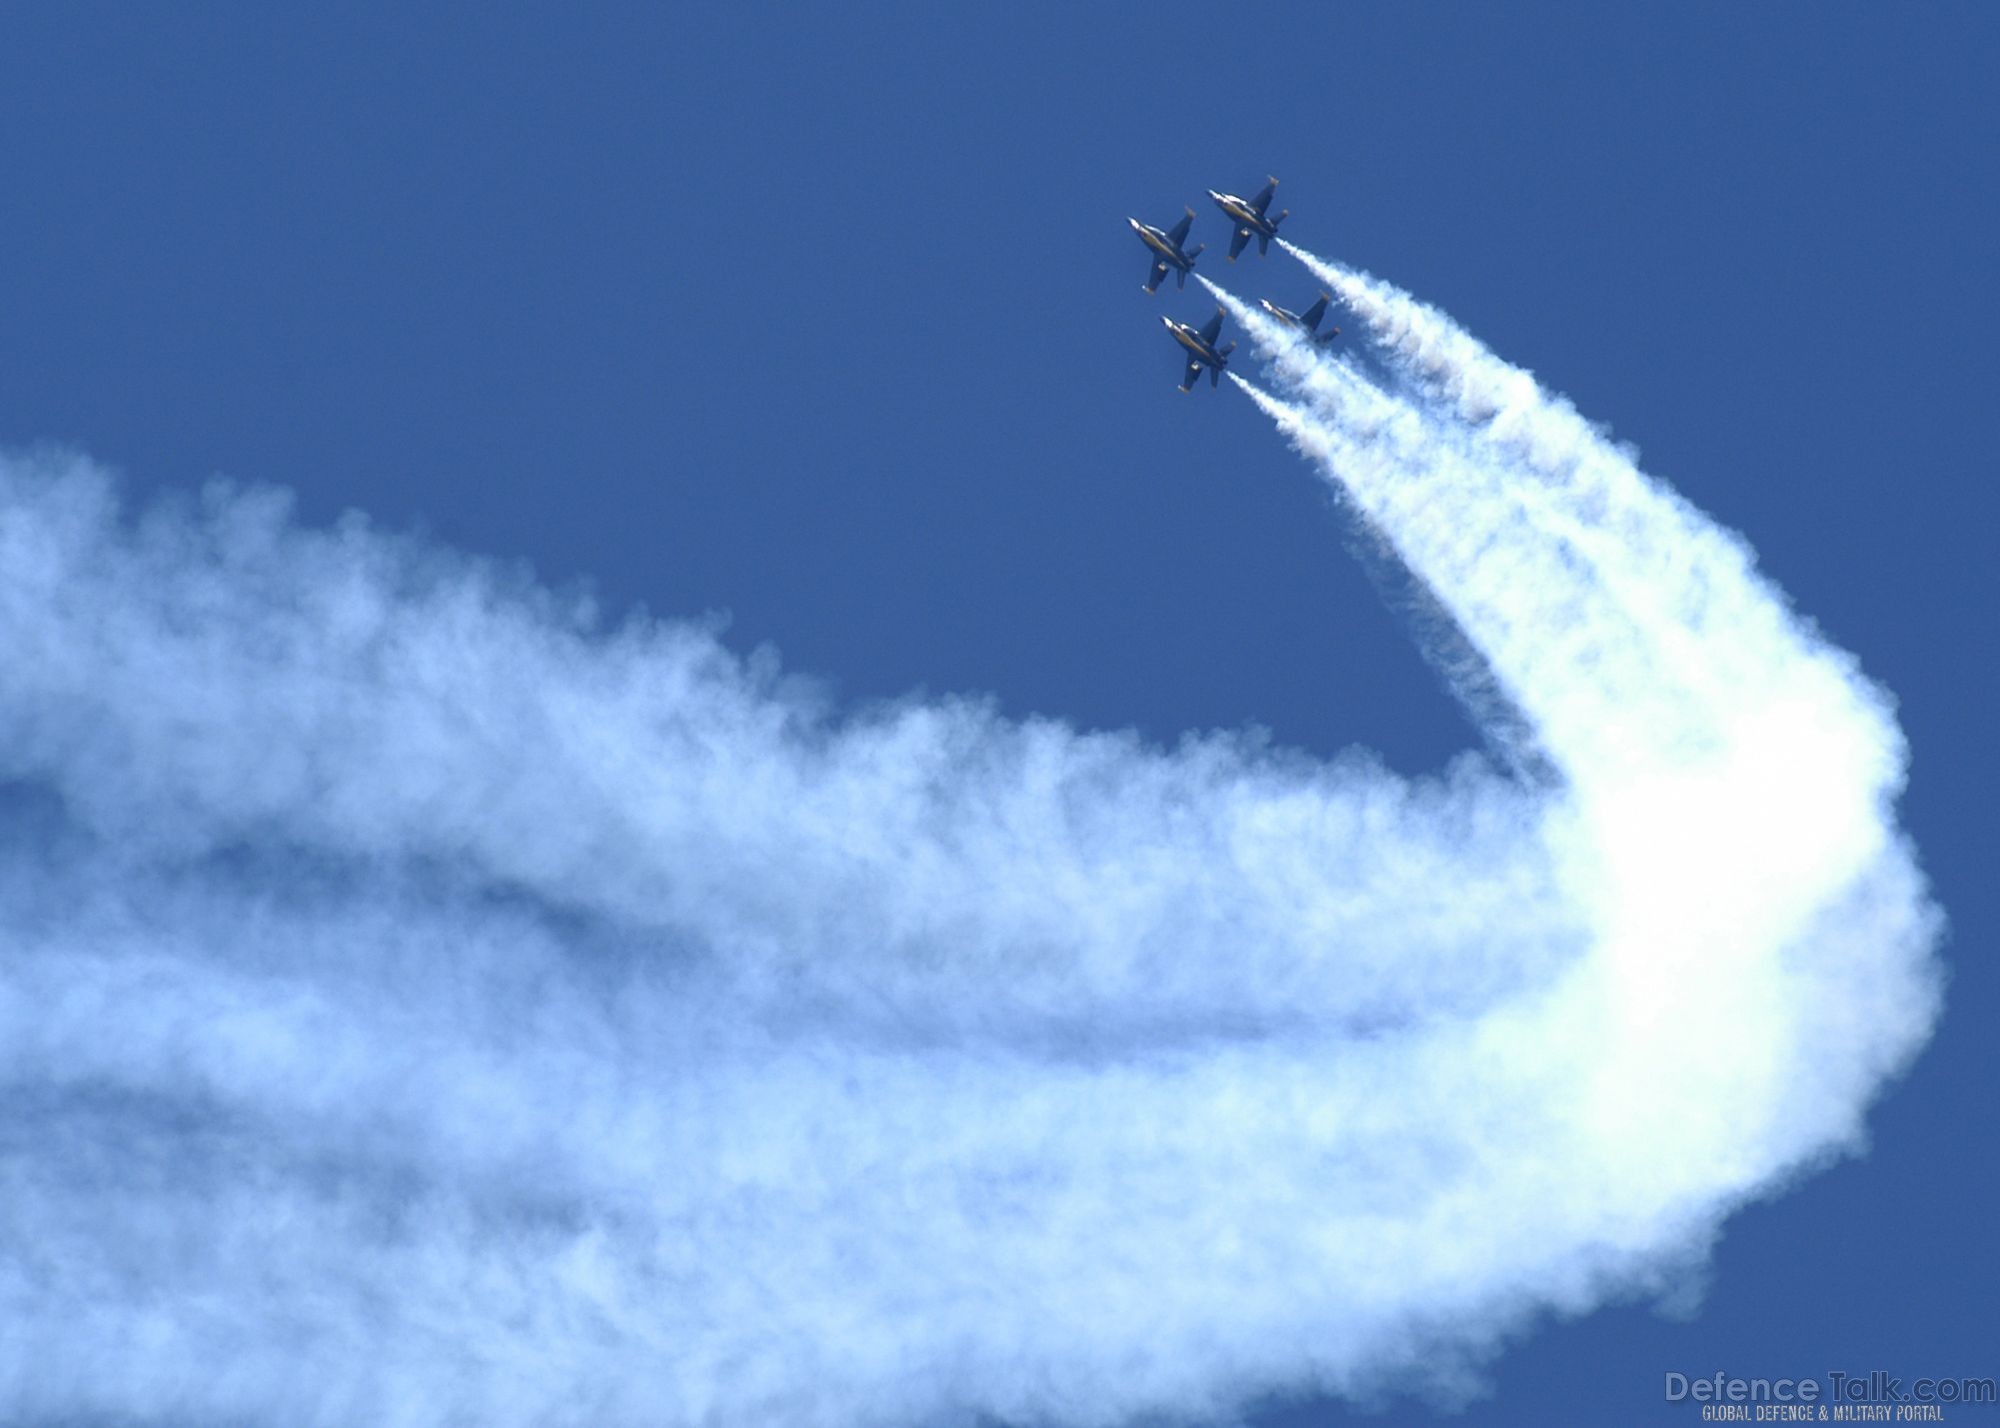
point(1159, 272)
point(1177, 234)
point(1263, 199)
point(1236, 242)
point(1212, 329)
point(1193, 375)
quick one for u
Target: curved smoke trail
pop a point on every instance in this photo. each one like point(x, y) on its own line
point(420, 1004)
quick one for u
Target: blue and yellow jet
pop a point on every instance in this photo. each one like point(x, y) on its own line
point(1202, 351)
point(1249, 218)
point(1306, 323)
point(1167, 250)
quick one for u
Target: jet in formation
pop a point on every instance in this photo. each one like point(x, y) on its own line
point(1250, 218)
point(1167, 250)
point(1201, 348)
point(1306, 323)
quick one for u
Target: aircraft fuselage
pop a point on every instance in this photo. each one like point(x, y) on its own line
point(1202, 352)
point(1243, 215)
point(1306, 323)
point(1153, 238)
point(1169, 252)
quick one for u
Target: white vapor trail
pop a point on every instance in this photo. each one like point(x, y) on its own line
point(421, 1004)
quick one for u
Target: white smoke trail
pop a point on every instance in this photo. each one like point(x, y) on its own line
point(1660, 551)
point(1534, 581)
point(421, 1005)
point(1745, 758)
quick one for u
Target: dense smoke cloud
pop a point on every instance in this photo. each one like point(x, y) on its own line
point(422, 1004)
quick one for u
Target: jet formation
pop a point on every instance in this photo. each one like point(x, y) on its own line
point(1168, 252)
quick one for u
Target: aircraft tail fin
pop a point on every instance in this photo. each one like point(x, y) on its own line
point(1311, 316)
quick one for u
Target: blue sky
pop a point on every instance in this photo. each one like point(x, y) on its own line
point(830, 321)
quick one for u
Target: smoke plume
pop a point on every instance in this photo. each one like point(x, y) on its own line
point(424, 1003)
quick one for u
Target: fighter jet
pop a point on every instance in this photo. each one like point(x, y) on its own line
point(1167, 251)
point(1248, 216)
point(1202, 351)
point(1306, 324)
